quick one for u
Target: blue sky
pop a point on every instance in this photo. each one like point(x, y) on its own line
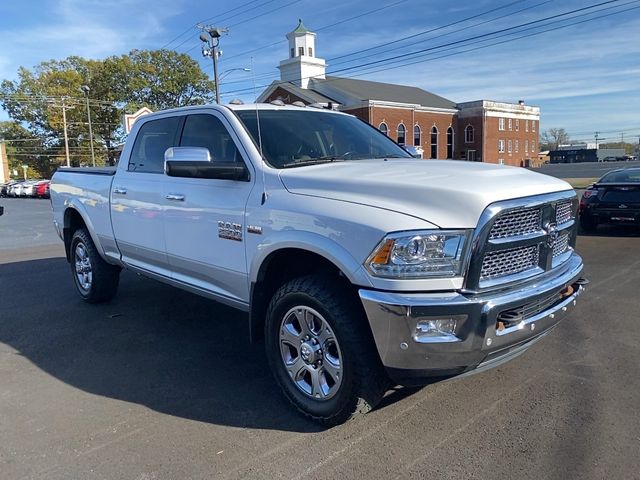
point(585, 77)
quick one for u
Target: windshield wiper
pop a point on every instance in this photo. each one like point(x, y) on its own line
point(314, 161)
point(393, 155)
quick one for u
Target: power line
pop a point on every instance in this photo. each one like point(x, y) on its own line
point(509, 40)
point(477, 37)
point(444, 34)
point(375, 10)
point(460, 42)
point(415, 35)
point(272, 75)
point(252, 18)
point(205, 20)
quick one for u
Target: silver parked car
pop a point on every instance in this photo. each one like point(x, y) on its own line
point(29, 188)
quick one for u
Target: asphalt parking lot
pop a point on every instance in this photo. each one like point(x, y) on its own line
point(161, 384)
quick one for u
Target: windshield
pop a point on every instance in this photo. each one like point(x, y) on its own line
point(622, 176)
point(293, 138)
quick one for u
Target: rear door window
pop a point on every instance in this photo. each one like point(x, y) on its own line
point(153, 139)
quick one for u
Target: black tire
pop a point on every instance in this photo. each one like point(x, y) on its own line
point(588, 224)
point(103, 283)
point(363, 381)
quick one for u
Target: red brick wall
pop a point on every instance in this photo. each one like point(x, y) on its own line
point(425, 120)
point(361, 113)
point(284, 95)
point(462, 146)
point(524, 138)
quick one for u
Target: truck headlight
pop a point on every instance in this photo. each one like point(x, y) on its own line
point(420, 254)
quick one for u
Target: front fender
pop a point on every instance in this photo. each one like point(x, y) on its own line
point(314, 243)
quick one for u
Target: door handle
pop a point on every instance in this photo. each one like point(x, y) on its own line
point(120, 190)
point(175, 196)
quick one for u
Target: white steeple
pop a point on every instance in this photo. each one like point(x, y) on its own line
point(301, 65)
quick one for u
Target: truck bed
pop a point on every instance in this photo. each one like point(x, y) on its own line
point(88, 191)
point(89, 170)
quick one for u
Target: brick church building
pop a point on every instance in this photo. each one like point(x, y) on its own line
point(483, 130)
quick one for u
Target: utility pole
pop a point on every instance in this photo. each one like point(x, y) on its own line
point(210, 37)
point(85, 89)
point(596, 135)
point(64, 108)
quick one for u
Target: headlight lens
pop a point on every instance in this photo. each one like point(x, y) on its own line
point(421, 254)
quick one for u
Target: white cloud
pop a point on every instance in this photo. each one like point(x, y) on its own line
point(92, 29)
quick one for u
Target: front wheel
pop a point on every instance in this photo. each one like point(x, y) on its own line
point(95, 280)
point(321, 351)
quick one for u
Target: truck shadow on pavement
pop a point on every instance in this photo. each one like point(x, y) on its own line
point(153, 345)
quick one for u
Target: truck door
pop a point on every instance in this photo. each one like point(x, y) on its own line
point(204, 218)
point(137, 197)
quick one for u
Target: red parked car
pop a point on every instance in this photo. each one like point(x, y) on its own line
point(42, 189)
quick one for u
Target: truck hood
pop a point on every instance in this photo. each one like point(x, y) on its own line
point(448, 194)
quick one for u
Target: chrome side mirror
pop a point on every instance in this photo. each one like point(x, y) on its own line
point(186, 154)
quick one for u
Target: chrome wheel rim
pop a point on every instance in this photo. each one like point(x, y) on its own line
point(84, 272)
point(310, 353)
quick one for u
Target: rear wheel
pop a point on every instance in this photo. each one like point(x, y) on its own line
point(321, 351)
point(95, 280)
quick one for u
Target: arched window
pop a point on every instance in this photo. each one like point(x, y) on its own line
point(402, 133)
point(383, 128)
point(468, 134)
point(450, 142)
point(434, 142)
point(416, 136)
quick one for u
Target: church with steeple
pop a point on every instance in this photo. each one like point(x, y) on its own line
point(439, 128)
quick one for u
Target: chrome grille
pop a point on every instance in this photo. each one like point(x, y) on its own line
point(564, 212)
point(509, 262)
point(515, 223)
point(561, 244)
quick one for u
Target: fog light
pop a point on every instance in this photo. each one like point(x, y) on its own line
point(437, 329)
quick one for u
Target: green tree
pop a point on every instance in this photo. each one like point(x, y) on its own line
point(156, 79)
point(22, 148)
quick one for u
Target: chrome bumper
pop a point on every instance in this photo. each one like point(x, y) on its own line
point(478, 342)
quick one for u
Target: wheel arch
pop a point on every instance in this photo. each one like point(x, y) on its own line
point(278, 267)
point(74, 219)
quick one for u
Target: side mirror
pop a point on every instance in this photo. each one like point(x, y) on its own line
point(196, 162)
point(186, 154)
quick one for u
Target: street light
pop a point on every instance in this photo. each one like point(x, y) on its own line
point(85, 89)
point(224, 74)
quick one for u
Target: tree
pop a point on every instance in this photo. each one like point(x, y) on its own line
point(157, 79)
point(553, 137)
point(22, 148)
point(161, 79)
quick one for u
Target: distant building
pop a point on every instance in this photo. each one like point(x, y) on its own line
point(573, 156)
point(483, 130)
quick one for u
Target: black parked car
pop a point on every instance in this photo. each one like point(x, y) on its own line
point(615, 198)
point(4, 188)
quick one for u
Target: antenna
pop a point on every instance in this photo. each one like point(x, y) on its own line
point(264, 185)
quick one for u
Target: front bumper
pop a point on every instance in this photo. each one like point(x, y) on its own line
point(480, 340)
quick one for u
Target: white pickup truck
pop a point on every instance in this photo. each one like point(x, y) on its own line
point(357, 263)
